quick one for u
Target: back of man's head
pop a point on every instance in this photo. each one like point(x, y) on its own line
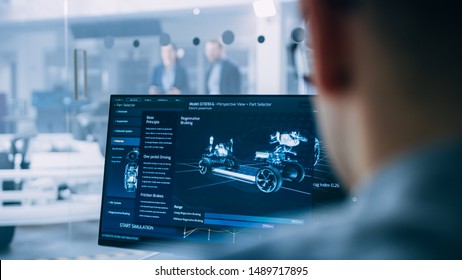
point(426, 33)
point(388, 75)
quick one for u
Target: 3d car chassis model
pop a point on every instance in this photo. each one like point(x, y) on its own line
point(276, 166)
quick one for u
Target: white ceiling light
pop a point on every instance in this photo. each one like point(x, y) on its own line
point(264, 8)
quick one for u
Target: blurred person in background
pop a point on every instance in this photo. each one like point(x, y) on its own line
point(390, 95)
point(223, 76)
point(169, 77)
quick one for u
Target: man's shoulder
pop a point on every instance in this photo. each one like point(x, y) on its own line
point(158, 68)
point(228, 64)
point(411, 210)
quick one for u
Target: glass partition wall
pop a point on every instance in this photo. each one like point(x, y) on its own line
point(50, 179)
point(59, 62)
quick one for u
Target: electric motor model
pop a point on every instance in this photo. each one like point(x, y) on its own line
point(131, 171)
point(220, 155)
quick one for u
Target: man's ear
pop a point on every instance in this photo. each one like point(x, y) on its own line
point(329, 41)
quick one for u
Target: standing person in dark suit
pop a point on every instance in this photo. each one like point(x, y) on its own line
point(223, 76)
point(169, 77)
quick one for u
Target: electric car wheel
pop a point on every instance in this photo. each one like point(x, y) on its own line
point(294, 172)
point(268, 179)
point(205, 166)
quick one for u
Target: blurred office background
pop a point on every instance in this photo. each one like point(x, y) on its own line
point(59, 62)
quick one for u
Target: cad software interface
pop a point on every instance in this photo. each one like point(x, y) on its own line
point(221, 169)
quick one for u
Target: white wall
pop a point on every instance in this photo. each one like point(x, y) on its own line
point(27, 10)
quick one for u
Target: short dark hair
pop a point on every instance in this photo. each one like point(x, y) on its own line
point(427, 32)
point(173, 45)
